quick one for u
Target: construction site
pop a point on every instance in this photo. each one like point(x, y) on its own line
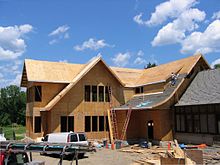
point(167, 114)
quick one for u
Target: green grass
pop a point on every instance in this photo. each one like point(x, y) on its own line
point(19, 132)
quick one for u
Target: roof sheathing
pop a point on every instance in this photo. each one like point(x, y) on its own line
point(44, 71)
point(58, 72)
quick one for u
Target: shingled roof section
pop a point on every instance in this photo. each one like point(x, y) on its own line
point(149, 101)
point(204, 89)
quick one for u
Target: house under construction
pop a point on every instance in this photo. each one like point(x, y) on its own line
point(103, 101)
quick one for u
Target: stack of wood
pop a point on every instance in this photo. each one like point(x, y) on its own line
point(211, 157)
point(159, 155)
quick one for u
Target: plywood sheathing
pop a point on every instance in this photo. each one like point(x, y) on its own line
point(162, 72)
point(73, 103)
point(44, 71)
point(83, 72)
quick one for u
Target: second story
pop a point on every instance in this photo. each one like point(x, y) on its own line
point(49, 83)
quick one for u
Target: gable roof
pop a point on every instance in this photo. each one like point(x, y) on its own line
point(204, 89)
point(83, 72)
point(59, 72)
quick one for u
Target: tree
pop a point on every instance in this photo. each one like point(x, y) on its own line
point(12, 105)
point(149, 65)
point(216, 66)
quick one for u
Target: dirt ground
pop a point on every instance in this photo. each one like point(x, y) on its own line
point(101, 157)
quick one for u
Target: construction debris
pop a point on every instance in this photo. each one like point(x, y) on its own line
point(164, 155)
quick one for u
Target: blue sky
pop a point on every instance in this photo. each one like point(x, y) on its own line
point(126, 33)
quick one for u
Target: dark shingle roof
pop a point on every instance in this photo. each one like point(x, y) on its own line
point(204, 89)
point(148, 101)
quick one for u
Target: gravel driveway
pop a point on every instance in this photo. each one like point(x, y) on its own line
point(101, 157)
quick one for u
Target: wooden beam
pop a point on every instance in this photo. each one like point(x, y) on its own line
point(110, 126)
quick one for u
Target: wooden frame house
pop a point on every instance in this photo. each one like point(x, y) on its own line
point(75, 97)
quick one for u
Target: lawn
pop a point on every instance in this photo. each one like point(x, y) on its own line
point(19, 132)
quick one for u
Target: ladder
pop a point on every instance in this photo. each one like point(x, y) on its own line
point(112, 115)
point(125, 127)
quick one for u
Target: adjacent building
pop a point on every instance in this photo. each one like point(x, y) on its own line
point(197, 113)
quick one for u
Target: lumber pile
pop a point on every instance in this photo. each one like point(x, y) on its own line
point(161, 155)
point(146, 156)
point(211, 156)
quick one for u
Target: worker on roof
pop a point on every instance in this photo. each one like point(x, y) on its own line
point(174, 78)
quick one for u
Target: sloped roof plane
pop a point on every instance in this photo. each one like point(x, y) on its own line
point(204, 89)
point(59, 72)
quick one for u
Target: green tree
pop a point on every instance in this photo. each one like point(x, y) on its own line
point(216, 66)
point(12, 105)
point(150, 65)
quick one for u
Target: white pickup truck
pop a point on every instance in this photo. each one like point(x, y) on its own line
point(67, 137)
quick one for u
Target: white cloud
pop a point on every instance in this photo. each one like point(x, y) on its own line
point(203, 42)
point(65, 61)
point(217, 61)
point(216, 15)
point(1, 76)
point(16, 81)
point(138, 19)
point(12, 44)
point(11, 73)
point(54, 41)
point(140, 53)
point(60, 30)
point(59, 33)
point(174, 32)
point(166, 10)
point(121, 59)
point(139, 61)
point(92, 44)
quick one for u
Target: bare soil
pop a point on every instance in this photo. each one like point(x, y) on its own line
point(101, 157)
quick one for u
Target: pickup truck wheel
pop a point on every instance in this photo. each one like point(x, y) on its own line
point(81, 155)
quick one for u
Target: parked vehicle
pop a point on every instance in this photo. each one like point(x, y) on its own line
point(2, 137)
point(67, 137)
point(13, 158)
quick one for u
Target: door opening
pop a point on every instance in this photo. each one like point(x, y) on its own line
point(150, 129)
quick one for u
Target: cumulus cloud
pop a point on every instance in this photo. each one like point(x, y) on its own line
point(174, 32)
point(11, 73)
point(138, 19)
point(92, 44)
point(65, 61)
point(16, 81)
point(203, 42)
point(139, 61)
point(54, 41)
point(59, 33)
point(1, 76)
point(60, 30)
point(140, 53)
point(217, 61)
point(164, 11)
point(121, 59)
point(12, 44)
point(216, 15)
